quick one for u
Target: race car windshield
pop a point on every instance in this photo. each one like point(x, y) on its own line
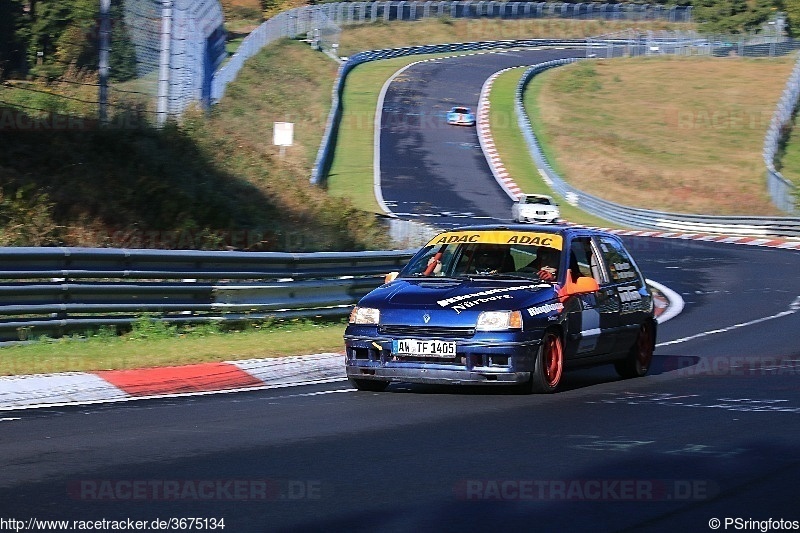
point(471, 260)
point(537, 200)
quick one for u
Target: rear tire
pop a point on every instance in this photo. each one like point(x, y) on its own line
point(548, 367)
point(640, 356)
point(370, 385)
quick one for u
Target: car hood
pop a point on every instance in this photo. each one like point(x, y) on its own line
point(450, 302)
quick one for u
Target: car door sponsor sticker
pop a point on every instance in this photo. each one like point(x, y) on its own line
point(629, 297)
point(546, 308)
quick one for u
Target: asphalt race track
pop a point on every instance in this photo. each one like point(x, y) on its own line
point(433, 172)
point(711, 434)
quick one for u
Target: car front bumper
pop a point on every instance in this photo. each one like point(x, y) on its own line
point(461, 122)
point(438, 376)
point(539, 219)
point(476, 363)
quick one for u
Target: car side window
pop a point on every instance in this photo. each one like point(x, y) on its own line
point(584, 261)
point(621, 267)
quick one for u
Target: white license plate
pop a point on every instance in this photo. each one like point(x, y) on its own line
point(420, 348)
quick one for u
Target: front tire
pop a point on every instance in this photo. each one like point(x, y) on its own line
point(548, 367)
point(369, 385)
point(640, 356)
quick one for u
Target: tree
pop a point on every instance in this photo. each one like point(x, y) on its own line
point(13, 37)
point(792, 10)
point(63, 32)
point(734, 16)
point(123, 54)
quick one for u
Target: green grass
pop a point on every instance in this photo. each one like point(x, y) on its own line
point(352, 170)
point(152, 344)
point(790, 159)
point(513, 150)
point(351, 175)
point(680, 134)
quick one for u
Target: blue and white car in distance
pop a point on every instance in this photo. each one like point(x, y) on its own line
point(504, 305)
point(460, 116)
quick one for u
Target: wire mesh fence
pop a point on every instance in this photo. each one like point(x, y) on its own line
point(178, 44)
point(345, 13)
point(151, 60)
point(633, 42)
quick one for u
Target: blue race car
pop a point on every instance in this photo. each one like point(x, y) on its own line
point(504, 305)
point(460, 116)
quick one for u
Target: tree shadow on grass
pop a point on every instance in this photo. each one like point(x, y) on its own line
point(140, 187)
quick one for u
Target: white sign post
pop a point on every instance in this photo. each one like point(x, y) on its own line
point(283, 135)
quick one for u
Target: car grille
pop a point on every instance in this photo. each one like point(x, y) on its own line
point(426, 332)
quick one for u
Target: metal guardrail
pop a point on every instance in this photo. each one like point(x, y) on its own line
point(635, 217)
point(54, 291)
point(782, 191)
point(115, 287)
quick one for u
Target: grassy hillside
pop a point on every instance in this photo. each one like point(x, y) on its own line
point(214, 181)
point(675, 134)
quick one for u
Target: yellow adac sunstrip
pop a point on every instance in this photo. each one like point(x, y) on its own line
point(530, 238)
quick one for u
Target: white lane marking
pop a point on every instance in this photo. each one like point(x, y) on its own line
point(309, 394)
point(676, 302)
point(794, 307)
point(322, 392)
point(9, 419)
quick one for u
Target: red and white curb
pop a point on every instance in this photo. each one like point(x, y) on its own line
point(83, 388)
point(486, 140)
point(772, 242)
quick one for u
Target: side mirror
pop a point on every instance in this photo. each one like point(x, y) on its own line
point(390, 277)
point(584, 285)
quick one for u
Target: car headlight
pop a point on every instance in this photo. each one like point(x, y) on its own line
point(365, 315)
point(499, 320)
